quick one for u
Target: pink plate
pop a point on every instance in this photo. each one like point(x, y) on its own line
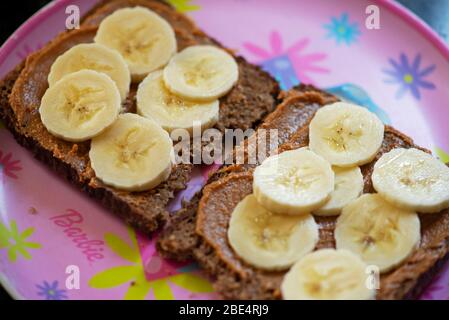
point(50, 232)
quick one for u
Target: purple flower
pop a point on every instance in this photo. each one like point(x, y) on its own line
point(409, 76)
point(51, 291)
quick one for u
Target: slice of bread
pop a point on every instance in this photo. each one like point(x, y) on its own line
point(200, 228)
point(244, 106)
point(296, 108)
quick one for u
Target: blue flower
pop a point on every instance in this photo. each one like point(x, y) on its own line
point(355, 94)
point(342, 30)
point(283, 70)
point(51, 291)
point(409, 76)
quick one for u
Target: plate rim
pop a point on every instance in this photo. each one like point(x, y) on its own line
point(418, 23)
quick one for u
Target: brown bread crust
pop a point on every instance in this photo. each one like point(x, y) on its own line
point(234, 279)
point(179, 239)
point(246, 104)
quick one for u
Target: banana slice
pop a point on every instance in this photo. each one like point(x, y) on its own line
point(327, 274)
point(134, 154)
point(346, 135)
point(412, 179)
point(142, 37)
point(348, 186)
point(80, 106)
point(201, 73)
point(293, 182)
point(267, 240)
point(93, 57)
point(380, 233)
point(171, 112)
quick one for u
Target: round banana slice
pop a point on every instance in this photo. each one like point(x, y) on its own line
point(412, 179)
point(80, 106)
point(346, 135)
point(95, 57)
point(380, 233)
point(270, 241)
point(134, 154)
point(142, 37)
point(201, 73)
point(293, 182)
point(171, 112)
point(348, 186)
point(328, 274)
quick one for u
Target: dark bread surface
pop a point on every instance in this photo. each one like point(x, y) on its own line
point(234, 279)
point(178, 239)
point(245, 105)
point(132, 207)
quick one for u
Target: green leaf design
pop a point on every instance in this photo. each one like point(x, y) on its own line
point(14, 230)
point(15, 242)
point(121, 248)
point(28, 232)
point(12, 255)
point(4, 236)
point(23, 252)
point(132, 236)
point(162, 290)
point(114, 277)
point(192, 282)
point(139, 290)
point(442, 155)
point(33, 245)
point(183, 5)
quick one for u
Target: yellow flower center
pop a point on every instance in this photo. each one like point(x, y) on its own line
point(408, 78)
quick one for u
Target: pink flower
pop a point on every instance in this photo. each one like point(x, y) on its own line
point(8, 166)
point(289, 66)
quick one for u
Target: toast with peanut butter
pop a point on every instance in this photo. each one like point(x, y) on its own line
point(252, 97)
point(201, 229)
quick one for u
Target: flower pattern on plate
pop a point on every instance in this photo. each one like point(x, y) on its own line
point(154, 274)
point(50, 291)
point(343, 30)
point(184, 5)
point(8, 166)
point(356, 94)
point(409, 75)
point(443, 155)
point(289, 66)
point(16, 242)
point(253, 20)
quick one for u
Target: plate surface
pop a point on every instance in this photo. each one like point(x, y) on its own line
point(50, 232)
